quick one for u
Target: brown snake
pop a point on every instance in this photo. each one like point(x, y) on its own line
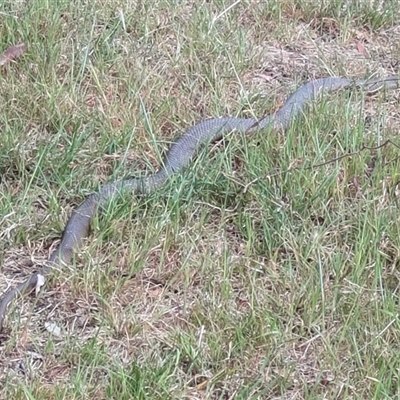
point(178, 157)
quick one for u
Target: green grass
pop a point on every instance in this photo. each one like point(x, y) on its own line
point(266, 270)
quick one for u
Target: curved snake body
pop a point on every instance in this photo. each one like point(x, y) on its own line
point(178, 157)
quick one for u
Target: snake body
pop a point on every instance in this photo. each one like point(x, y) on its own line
point(177, 158)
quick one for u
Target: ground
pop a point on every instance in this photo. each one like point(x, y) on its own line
point(268, 269)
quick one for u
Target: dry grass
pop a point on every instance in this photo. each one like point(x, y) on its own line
point(212, 288)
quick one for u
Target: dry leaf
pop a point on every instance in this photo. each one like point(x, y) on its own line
point(53, 328)
point(39, 283)
point(12, 52)
point(361, 48)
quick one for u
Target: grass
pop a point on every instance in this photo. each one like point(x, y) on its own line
point(255, 273)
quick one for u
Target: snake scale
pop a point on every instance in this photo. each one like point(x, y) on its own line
point(177, 158)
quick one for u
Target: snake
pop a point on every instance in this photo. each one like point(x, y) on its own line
point(178, 157)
